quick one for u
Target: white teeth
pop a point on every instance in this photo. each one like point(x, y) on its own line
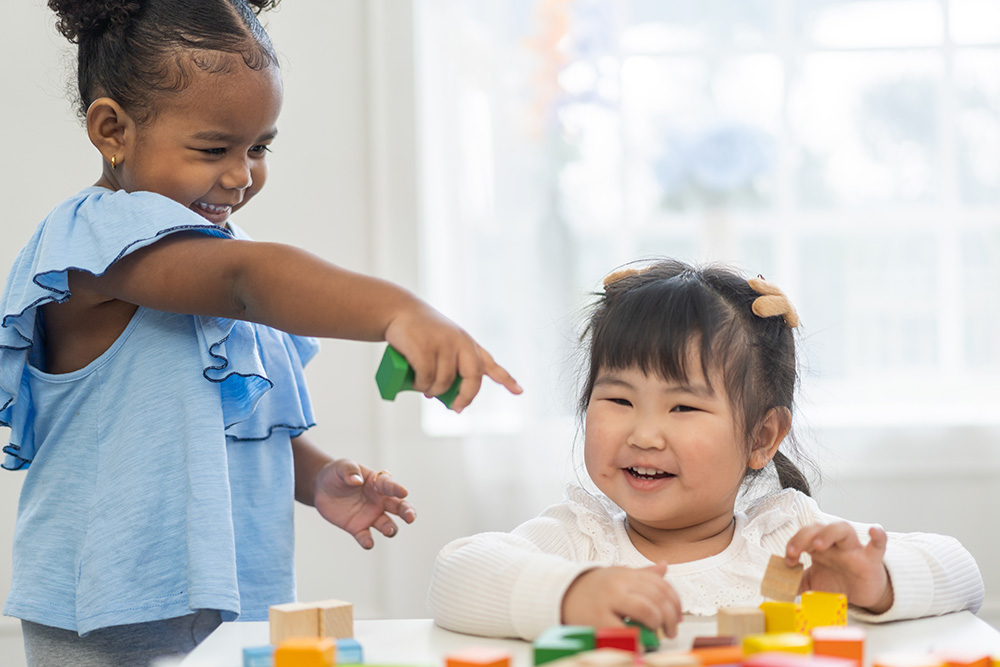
point(647, 471)
point(212, 208)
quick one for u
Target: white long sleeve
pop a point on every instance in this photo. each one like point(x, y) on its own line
point(512, 584)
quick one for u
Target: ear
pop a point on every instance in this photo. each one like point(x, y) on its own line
point(109, 128)
point(771, 431)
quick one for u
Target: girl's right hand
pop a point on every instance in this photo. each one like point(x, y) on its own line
point(605, 596)
point(438, 350)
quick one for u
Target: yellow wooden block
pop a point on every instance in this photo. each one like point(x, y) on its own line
point(820, 608)
point(783, 617)
point(306, 652)
point(786, 642)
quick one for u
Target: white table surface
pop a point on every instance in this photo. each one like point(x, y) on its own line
point(420, 642)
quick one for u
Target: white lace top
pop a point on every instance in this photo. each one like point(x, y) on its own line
point(512, 584)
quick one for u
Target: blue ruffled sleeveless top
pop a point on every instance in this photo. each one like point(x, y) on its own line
point(159, 478)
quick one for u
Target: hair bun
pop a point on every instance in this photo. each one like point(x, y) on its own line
point(79, 19)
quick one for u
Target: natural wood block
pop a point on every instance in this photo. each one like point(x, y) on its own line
point(606, 657)
point(780, 581)
point(739, 622)
point(670, 659)
point(329, 618)
point(336, 618)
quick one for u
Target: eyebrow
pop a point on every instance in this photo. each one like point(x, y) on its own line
point(701, 390)
point(214, 135)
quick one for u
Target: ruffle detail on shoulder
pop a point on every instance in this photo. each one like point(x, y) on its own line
point(88, 232)
point(597, 518)
point(770, 513)
point(247, 360)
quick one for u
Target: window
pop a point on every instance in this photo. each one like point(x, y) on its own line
point(847, 150)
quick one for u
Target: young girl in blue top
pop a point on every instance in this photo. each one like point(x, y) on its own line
point(151, 356)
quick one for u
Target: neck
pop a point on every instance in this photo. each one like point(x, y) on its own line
point(682, 545)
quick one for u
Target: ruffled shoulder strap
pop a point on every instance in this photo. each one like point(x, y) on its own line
point(597, 518)
point(88, 232)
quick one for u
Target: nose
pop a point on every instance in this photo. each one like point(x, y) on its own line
point(237, 176)
point(647, 433)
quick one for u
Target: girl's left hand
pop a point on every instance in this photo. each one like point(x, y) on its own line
point(353, 497)
point(841, 564)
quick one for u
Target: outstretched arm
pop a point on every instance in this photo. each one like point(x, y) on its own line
point(295, 291)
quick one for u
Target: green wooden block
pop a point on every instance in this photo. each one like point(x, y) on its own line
point(561, 641)
point(395, 374)
point(647, 637)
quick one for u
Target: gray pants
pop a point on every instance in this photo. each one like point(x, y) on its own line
point(137, 644)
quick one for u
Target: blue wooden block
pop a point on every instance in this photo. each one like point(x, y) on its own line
point(349, 652)
point(258, 656)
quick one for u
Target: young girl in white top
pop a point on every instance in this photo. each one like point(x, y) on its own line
point(689, 397)
point(151, 355)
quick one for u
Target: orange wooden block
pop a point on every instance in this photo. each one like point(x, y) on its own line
point(780, 581)
point(957, 658)
point(907, 659)
point(841, 641)
point(719, 655)
point(478, 656)
point(306, 652)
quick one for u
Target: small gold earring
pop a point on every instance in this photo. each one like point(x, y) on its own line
point(114, 161)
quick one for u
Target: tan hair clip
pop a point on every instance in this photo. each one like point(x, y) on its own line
point(621, 274)
point(772, 302)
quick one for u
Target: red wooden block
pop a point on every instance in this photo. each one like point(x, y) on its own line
point(626, 639)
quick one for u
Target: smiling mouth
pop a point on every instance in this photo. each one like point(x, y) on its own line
point(648, 473)
point(214, 209)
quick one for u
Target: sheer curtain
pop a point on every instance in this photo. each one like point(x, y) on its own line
point(846, 150)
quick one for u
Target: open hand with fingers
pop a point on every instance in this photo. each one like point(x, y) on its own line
point(606, 596)
point(353, 497)
point(842, 564)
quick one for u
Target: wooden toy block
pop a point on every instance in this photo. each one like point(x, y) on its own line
point(478, 656)
point(718, 640)
point(740, 621)
point(840, 641)
point(561, 641)
point(258, 656)
point(820, 608)
point(719, 655)
point(782, 659)
point(959, 658)
point(336, 619)
point(670, 659)
point(787, 642)
point(907, 659)
point(626, 639)
point(306, 652)
point(329, 618)
point(783, 617)
point(349, 651)
point(780, 581)
point(606, 657)
point(649, 639)
point(395, 374)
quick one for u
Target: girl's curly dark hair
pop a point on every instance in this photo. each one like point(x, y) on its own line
point(133, 50)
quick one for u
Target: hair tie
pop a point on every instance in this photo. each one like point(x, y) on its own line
point(621, 274)
point(772, 302)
